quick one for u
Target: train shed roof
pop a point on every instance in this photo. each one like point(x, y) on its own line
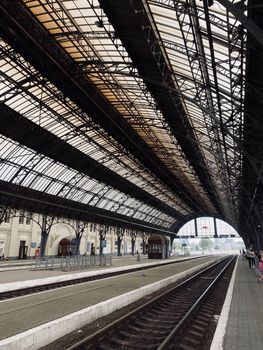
point(144, 113)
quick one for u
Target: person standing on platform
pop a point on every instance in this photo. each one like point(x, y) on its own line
point(256, 258)
point(260, 269)
point(244, 254)
point(253, 255)
point(3, 257)
point(249, 256)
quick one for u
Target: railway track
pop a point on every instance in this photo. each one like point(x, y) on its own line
point(181, 318)
point(41, 288)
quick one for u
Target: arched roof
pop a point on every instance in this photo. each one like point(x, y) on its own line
point(146, 112)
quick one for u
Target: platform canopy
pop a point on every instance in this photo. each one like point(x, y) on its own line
point(139, 113)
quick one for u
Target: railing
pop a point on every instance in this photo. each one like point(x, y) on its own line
point(69, 263)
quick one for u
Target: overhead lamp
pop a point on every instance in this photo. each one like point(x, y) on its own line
point(99, 23)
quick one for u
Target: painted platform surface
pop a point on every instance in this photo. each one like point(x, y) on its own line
point(21, 314)
point(29, 273)
point(245, 322)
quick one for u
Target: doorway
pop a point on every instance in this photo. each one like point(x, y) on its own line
point(22, 254)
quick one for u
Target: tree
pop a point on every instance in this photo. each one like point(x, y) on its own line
point(103, 229)
point(45, 225)
point(120, 234)
point(133, 235)
point(144, 236)
point(205, 243)
point(79, 230)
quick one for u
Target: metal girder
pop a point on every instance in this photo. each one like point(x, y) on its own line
point(238, 11)
point(204, 97)
point(189, 25)
point(144, 46)
point(22, 88)
point(18, 128)
point(118, 69)
point(17, 197)
point(232, 128)
point(252, 174)
point(36, 45)
point(226, 160)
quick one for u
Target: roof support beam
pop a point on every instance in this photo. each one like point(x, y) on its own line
point(144, 48)
point(255, 31)
point(37, 202)
point(22, 31)
point(18, 128)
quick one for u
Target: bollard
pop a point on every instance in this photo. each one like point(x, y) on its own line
point(138, 257)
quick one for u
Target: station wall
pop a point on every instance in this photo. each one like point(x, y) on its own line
point(17, 233)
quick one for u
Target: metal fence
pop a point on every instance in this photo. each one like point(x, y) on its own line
point(69, 263)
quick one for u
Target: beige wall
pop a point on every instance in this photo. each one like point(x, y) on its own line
point(13, 232)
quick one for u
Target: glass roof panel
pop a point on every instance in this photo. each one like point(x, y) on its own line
point(204, 70)
point(96, 41)
point(17, 161)
point(43, 104)
point(205, 55)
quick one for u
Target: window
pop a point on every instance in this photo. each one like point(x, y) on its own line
point(7, 217)
point(21, 217)
point(28, 218)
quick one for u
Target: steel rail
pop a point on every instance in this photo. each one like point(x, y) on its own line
point(165, 344)
point(88, 341)
point(40, 288)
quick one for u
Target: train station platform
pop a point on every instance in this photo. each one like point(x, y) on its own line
point(241, 321)
point(13, 271)
point(25, 321)
point(28, 322)
point(10, 275)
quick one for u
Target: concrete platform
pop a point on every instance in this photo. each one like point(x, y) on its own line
point(13, 265)
point(42, 318)
point(12, 280)
point(16, 265)
point(49, 315)
point(29, 272)
point(241, 321)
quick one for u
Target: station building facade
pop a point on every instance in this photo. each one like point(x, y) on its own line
point(20, 238)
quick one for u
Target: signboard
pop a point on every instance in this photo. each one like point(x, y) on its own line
point(33, 244)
